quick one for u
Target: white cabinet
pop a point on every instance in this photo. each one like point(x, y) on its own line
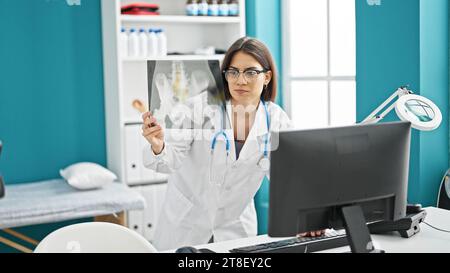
point(144, 222)
point(132, 155)
point(153, 195)
point(136, 173)
point(125, 80)
point(136, 220)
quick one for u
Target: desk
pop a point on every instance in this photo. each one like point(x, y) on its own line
point(427, 240)
point(55, 201)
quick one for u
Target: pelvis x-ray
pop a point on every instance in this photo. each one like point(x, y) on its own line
point(182, 93)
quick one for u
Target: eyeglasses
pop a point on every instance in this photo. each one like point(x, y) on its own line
point(250, 75)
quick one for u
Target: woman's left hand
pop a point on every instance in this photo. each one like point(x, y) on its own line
point(312, 233)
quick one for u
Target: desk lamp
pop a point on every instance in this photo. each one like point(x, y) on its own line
point(423, 114)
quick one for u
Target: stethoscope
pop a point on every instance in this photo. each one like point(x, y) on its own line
point(263, 163)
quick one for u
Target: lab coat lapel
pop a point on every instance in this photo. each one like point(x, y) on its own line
point(230, 132)
point(256, 135)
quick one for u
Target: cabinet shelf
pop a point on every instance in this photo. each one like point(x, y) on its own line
point(173, 19)
point(136, 121)
point(175, 58)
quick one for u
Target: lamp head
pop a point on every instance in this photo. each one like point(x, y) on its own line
point(423, 114)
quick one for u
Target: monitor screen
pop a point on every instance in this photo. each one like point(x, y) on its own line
point(315, 173)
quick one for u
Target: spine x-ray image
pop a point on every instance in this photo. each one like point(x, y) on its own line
point(185, 94)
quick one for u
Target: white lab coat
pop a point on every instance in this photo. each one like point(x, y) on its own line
point(196, 209)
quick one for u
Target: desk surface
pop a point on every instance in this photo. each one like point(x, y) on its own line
point(427, 240)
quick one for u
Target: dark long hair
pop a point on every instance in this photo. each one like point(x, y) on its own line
point(261, 53)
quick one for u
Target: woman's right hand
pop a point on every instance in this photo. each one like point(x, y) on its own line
point(312, 233)
point(153, 132)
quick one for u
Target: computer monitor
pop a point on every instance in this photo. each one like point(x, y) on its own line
point(338, 178)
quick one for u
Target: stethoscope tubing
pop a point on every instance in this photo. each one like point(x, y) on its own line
point(227, 140)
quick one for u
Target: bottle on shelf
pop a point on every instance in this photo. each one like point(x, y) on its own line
point(233, 8)
point(123, 38)
point(143, 43)
point(223, 8)
point(213, 8)
point(192, 8)
point(133, 43)
point(162, 42)
point(203, 8)
point(152, 49)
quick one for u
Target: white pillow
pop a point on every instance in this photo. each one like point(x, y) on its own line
point(86, 176)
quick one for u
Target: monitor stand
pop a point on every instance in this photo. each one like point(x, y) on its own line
point(357, 231)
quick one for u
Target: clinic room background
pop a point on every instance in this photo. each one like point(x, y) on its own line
point(52, 109)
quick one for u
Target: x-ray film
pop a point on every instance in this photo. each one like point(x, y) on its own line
point(185, 94)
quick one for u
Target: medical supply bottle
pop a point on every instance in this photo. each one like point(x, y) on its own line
point(133, 43)
point(162, 42)
point(143, 43)
point(203, 8)
point(213, 8)
point(233, 8)
point(223, 8)
point(152, 49)
point(123, 42)
point(192, 8)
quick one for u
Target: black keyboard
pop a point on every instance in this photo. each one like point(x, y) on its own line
point(331, 239)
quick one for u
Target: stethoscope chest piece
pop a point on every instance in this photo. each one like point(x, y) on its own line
point(264, 164)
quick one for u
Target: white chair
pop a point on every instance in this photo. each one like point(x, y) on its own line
point(94, 237)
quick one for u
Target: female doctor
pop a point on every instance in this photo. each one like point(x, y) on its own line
point(196, 209)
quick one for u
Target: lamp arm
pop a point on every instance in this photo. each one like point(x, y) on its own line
point(374, 117)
